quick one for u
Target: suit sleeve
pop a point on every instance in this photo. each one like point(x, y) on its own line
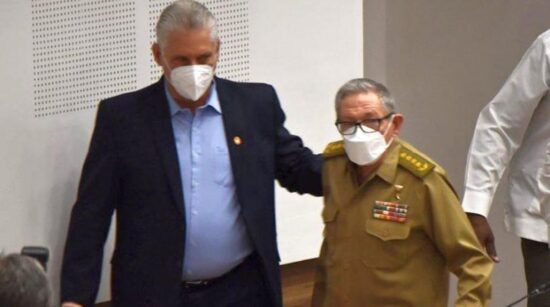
point(90, 216)
point(456, 240)
point(297, 168)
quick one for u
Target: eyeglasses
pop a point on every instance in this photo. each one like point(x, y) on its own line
point(368, 125)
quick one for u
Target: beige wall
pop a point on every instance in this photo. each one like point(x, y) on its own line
point(444, 60)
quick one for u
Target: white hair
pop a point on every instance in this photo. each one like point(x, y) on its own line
point(23, 282)
point(364, 85)
point(185, 15)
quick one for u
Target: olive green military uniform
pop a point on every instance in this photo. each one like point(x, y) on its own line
point(392, 240)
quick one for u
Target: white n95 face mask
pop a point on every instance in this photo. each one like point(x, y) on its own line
point(364, 148)
point(192, 81)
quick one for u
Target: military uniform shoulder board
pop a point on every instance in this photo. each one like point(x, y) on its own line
point(414, 162)
point(334, 149)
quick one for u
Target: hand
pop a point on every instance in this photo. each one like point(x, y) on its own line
point(484, 233)
point(70, 304)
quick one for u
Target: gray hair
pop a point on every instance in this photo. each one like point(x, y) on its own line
point(364, 85)
point(23, 282)
point(185, 15)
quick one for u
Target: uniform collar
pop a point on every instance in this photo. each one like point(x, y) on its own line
point(388, 168)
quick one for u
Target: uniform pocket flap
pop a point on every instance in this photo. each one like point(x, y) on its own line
point(387, 230)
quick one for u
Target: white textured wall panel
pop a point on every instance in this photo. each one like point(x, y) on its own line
point(61, 57)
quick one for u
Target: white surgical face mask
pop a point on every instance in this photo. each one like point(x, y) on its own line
point(192, 81)
point(364, 148)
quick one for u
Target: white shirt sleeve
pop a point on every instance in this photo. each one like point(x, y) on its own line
point(501, 125)
point(544, 189)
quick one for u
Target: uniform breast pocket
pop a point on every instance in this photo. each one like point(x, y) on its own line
point(386, 244)
point(223, 173)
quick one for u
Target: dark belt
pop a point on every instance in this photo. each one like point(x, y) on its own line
point(205, 283)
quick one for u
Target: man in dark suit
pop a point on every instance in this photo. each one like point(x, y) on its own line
point(189, 165)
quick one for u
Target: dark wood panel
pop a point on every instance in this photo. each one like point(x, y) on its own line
point(297, 280)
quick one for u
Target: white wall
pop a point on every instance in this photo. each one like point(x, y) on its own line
point(307, 49)
point(444, 60)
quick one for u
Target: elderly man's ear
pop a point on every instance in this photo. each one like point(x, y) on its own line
point(397, 122)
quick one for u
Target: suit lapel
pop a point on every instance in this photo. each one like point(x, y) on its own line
point(161, 125)
point(234, 119)
point(233, 115)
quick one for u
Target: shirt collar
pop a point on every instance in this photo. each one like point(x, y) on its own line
point(212, 100)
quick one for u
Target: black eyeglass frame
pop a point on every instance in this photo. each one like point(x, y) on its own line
point(362, 124)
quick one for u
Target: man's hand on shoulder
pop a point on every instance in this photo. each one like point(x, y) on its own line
point(70, 304)
point(484, 233)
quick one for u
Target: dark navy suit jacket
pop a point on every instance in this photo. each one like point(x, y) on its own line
point(132, 167)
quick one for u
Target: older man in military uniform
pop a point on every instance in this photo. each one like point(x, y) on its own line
point(394, 227)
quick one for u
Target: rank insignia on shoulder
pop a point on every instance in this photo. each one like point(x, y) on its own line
point(334, 149)
point(389, 211)
point(414, 162)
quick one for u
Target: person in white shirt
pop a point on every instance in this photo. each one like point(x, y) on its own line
point(544, 189)
point(513, 131)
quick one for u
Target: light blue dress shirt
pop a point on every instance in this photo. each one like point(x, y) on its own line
point(216, 238)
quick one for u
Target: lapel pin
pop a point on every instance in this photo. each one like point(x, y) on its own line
point(237, 140)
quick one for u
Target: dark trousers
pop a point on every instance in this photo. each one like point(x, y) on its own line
point(536, 258)
point(244, 286)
